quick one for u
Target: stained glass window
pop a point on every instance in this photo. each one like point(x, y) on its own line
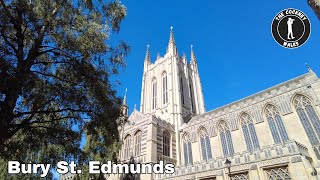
point(242, 176)
point(166, 143)
point(137, 146)
point(127, 147)
point(165, 88)
point(276, 124)
point(280, 173)
point(308, 117)
point(249, 132)
point(226, 139)
point(205, 144)
point(154, 93)
point(187, 148)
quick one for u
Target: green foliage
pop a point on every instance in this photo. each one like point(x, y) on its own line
point(56, 60)
point(131, 176)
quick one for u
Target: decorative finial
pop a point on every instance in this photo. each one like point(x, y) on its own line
point(135, 106)
point(193, 57)
point(125, 98)
point(171, 39)
point(308, 67)
point(147, 58)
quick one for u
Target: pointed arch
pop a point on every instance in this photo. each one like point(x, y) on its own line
point(226, 138)
point(308, 117)
point(127, 147)
point(164, 87)
point(249, 131)
point(137, 142)
point(166, 141)
point(205, 143)
point(187, 149)
point(154, 93)
point(276, 125)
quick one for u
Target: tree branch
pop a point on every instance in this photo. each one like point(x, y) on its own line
point(49, 112)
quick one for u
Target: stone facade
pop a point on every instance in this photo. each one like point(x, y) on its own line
point(273, 134)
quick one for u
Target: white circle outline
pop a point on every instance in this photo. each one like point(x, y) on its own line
point(281, 18)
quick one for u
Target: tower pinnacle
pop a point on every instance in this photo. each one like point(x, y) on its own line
point(309, 68)
point(193, 57)
point(147, 58)
point(171, 39)
point(124, 107)
point(124, 102)
point(172, 44)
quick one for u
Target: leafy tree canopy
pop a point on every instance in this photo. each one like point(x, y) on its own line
point(56, 58)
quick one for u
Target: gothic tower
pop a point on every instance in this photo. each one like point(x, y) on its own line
point(171, 87)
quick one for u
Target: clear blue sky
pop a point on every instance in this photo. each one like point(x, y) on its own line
point(237, 55)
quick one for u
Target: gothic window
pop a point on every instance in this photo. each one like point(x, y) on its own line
point(181, 89)
point(205, 145)
point(226, 139)
point(127, 147)
point(187, 149)
point(308, 117)
point(242, 176)
point(137, 146)
point(154, 93)
point(164, 88)
point(280, 173)
point(276, 125)
point(166, 143)
point(249, 132)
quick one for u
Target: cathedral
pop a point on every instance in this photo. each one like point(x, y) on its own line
point(273, 134)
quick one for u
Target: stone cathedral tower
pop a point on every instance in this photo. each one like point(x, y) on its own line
point(171, 88)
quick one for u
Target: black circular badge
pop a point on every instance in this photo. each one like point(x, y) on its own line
point(291, 28)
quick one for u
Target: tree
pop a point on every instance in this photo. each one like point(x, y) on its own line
point(56, 59)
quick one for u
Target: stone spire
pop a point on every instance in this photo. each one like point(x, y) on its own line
point(171, 39)
point(193, 57)
point(172, 44)
point(124, 102)
point(147, 58)
point(124, 107)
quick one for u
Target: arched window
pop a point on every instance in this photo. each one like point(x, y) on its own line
point(308, 117)
point(164, 88)
point(249, 132)
point(127, 147)
point(154, 93)
point(276, 125)
point(187, 149)
point(205, 144)
point(166, 143)
point(226, 139)
point(137, 145)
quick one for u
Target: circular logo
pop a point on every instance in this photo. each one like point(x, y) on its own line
point(291, 28)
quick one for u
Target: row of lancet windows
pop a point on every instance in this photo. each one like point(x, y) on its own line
point(166, 141)
point(304, 108)
point(164, 90)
